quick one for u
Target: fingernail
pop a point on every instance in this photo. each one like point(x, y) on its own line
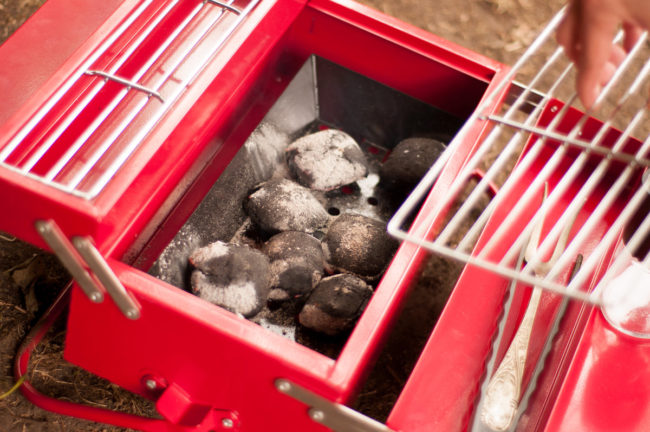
point(591, 96)
point(597, 91)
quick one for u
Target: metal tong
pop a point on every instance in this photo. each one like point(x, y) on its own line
point(504, 388)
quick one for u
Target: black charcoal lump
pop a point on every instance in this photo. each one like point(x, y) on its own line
point(326, 160)
point(297, 264)
point(282, 205)
point(409, 162)
point(235, 277)
point(358, 244)
point(335, 304)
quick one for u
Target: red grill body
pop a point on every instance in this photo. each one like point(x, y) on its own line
point(210, 365)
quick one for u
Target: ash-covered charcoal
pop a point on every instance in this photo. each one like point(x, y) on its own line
point(297, 264)
point(359, 245)
point(326, 160)
point(282, 205)
point(235, 277)
point(335, 304)
point(409, 162)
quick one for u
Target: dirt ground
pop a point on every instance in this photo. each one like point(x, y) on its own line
point(29, 279)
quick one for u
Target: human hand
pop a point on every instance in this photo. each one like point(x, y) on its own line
point(587, 34)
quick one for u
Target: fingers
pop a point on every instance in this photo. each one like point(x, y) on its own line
point(586, 34)
point(632, 35)
point(566, 33)
point(596, 29)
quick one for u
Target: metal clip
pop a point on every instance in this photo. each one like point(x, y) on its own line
point(332, 415)
point(225, 6)
point(51, 233)
point(113, 286)
point(127, 83)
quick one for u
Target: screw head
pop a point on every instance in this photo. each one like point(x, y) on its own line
point(283, 385)
point(316, 415)
point(151, 384)
point(227, 423)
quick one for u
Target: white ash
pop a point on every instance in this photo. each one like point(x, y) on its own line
point(282, 205)
point(201, 258)
point(278, 295)
point(235, 277)
point(172, 264)
point(240, 298)
point(359, 245)
point(326, 160)
point(286, 330)
point(265, 148)
point(294, 244)
point(335, 304)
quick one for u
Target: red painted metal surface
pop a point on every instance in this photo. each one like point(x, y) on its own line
point(442, 390)
point(219, 360)
point(160, 168)
point(33, 66)
point(208, 363)
point(606, 387)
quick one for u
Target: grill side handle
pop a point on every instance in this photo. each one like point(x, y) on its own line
point(78, 257)
point(66, 253)
point(124, 301)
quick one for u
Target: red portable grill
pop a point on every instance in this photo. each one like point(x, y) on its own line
point(146, 110)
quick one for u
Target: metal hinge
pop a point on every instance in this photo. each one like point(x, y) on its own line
point(335, 416)
point(78, 256)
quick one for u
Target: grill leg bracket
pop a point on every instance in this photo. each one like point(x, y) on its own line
point(80, 254)
point(335, 416)
point(63, 249)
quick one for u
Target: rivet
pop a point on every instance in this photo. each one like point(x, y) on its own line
point(151, 384)
point(316, 415)
point(227, 423)
point(283, 385)
point(554, 108)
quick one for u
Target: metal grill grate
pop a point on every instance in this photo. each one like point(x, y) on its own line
point(592, 168)
point(85, 133)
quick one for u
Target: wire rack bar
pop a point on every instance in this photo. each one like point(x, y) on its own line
point(108, 110)
point(75, 179)
point(51, 102)
point(577, 166)
point(95, 89)
point(143, 132)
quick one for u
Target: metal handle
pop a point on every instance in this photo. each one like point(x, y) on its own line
point(113, 286)
point(54, 237)
point(332, 415)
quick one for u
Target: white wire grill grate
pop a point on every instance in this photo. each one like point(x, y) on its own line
point(591, 162)
point(110, 128)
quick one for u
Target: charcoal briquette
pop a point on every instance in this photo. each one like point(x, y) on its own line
point(235, 277)
point(326, 160)
point(335, 304)
point(359, 245)
point(282, 205)
point(409, 162)
point(297, 263)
